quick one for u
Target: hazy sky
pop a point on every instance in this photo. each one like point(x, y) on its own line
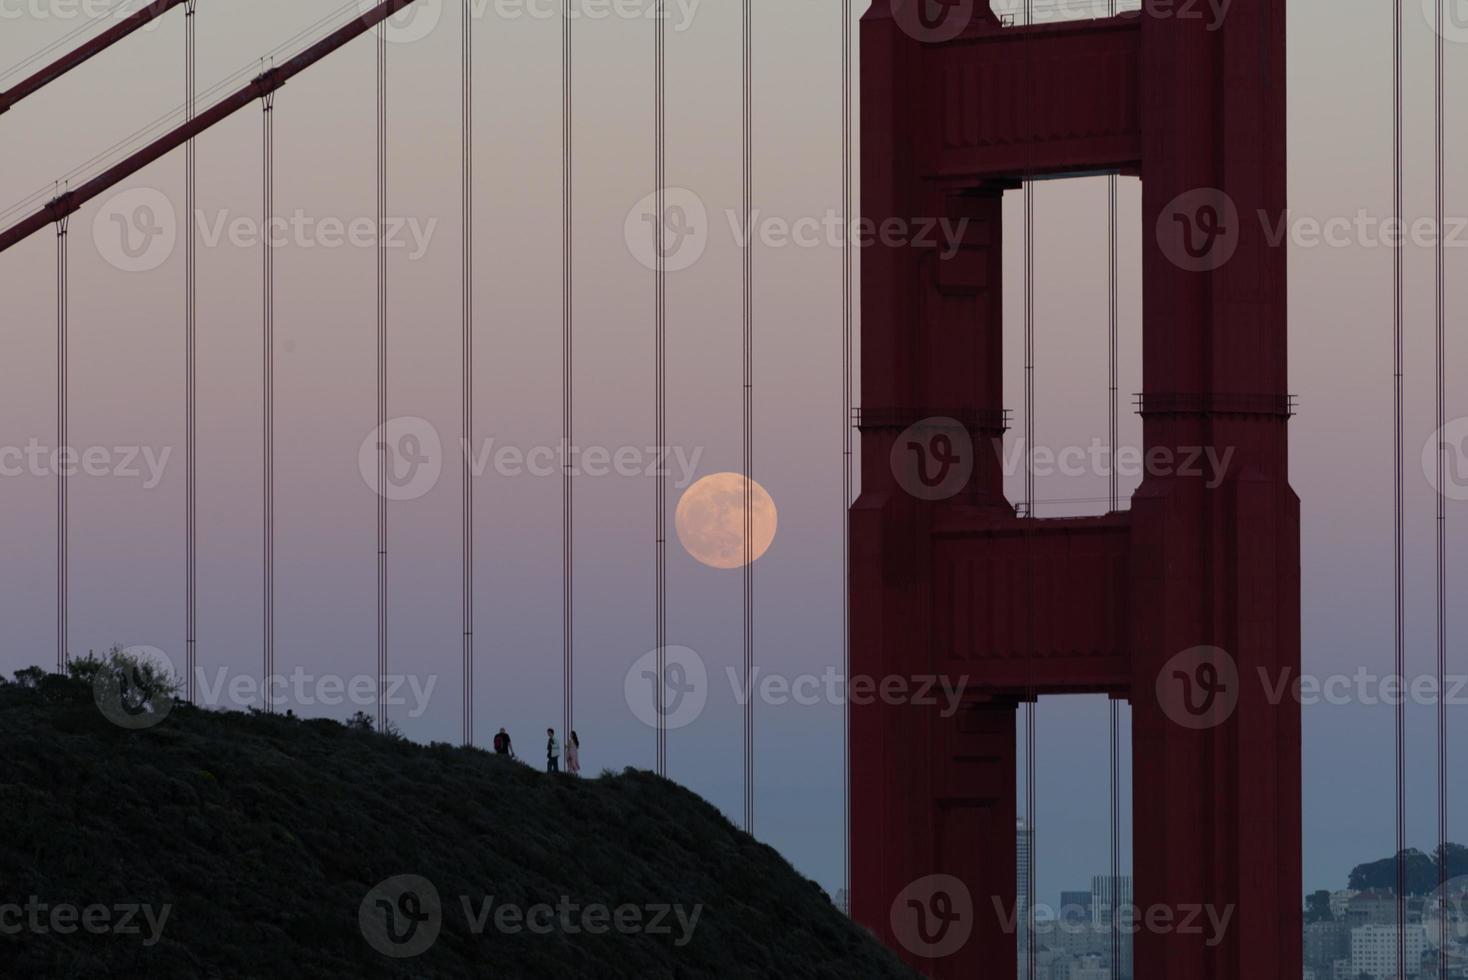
point(127, 381)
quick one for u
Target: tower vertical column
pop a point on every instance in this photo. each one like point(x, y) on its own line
point(1216, 567)
point(933, 815)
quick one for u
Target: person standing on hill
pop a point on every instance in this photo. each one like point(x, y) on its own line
point(503, 745)
point(573, 754)
point(552, 752)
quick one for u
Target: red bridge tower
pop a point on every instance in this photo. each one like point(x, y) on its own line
point(963, 585)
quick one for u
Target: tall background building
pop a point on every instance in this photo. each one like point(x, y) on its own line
point(1107, 892)
point(1024, 854)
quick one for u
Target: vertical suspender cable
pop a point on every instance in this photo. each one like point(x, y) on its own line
point(567, 382)
point(63, 435)
point(191, 311)
point(382, 457)
point(1112, 323)
point(748, 88)
point(1440, 194)
point(1028, 193)
point(1029, 347)
point(1114, 412)
point(467, 362)
point(1115, 887)
point(1398, 491)
point(660, 391)
point(1030, 814)
point(846, 435)
point(1030, 509)
point(268, 396)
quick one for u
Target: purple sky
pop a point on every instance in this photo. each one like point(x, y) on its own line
point(127, 380)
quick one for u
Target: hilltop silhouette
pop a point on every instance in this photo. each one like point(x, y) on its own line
point(266, 838)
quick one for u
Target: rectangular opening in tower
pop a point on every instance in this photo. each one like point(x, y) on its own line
point(1077, 918)
point(1055, 11)
point(1062, 431)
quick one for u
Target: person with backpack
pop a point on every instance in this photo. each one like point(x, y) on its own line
point(573, 754)
point(552, 751)
point(503, 745)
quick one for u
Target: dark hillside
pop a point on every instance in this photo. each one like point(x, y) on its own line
point(266, 840)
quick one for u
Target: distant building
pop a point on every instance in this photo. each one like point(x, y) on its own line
point(1340, 901)
point(1091, 968)
point(1377, 907)
point(1374, 950)
point(1104, 891)
point(1326, 942)
point(1075, 906)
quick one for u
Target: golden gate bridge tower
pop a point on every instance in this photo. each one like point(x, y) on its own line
point(1174, 603)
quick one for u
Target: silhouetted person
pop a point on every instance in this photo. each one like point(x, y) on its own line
point(503, 745)
point(573, 754)
point(552, 752)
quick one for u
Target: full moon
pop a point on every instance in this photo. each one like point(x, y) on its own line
point(710, 520)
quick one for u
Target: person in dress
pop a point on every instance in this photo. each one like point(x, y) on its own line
point(573, 754)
